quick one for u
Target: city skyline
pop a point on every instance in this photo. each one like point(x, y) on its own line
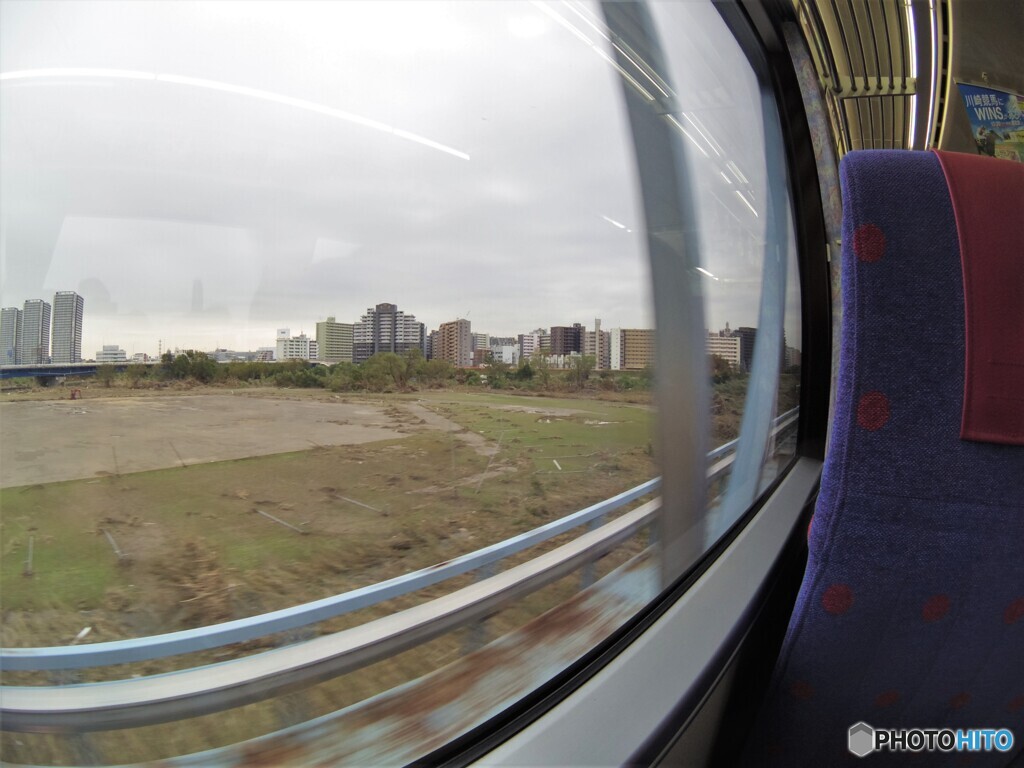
point(71, 336)
point(267, 339)
point(466, 160)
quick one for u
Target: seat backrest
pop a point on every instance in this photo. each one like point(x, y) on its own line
point(911, 612)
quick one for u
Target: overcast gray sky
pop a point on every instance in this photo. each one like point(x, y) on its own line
point(204, 173)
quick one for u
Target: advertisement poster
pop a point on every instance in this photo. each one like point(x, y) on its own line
point(996, 119)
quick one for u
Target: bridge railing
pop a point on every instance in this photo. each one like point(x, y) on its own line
point(190, 692)
point(49, 370)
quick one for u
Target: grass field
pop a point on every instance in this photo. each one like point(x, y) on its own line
point(469, 470)
point(466, 469)
point(473, 469)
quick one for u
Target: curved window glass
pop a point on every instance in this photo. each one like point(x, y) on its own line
point(329, 359)
point(746, 253)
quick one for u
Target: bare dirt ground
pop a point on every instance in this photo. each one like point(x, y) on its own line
point(50, 441)
point(435, 420)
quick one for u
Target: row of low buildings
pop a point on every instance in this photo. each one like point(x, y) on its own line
point(386, 328)
point(26, 336)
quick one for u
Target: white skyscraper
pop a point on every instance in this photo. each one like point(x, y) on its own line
point(68, 308)
point(35, 332)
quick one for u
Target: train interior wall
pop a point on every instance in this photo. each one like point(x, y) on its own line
point(985, 50)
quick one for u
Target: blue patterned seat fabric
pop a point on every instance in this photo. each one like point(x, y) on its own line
point(911, 612)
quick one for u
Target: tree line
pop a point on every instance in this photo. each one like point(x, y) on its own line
point(383, 372)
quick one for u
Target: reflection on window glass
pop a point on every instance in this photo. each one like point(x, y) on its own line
point(301, 299)
point(747, 249)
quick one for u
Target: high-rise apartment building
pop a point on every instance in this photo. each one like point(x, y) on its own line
point(35, 332)
point(430, 344)
point(726, 347)
point(334, 341)
point(385, 328)
point(299, 347)
point(480, 341)
point(10, 336)
point(530, 343)
point(631, 349)
point(747, 338)
point(68, 308)
point(454, 343)
point(597, 344)
point(567, 339)
point(637, 348)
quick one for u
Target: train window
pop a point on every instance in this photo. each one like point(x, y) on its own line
point(746, 257)
point(330, 358)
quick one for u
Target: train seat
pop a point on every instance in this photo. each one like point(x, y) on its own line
point(911, 611)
